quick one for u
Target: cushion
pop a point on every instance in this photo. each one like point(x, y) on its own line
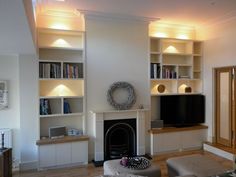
point(197, 165)
point(113, 167)
point(121, 175)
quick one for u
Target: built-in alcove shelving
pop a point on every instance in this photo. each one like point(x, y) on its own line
point(61, 79)
point(175, 64)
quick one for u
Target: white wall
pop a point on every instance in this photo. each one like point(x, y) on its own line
point(29, 120)
point(21, 72)
point(116, 51)
point(219, 50)
point(9, 118)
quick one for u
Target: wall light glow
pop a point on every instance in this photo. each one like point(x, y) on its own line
point(171, 49)
point(181, 88)
point(161, 34)
point(167, 30)
point(60, 26)
point(61, 90)
point(60, 43)
point(182, 36)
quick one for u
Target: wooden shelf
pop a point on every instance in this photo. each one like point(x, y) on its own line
point(60, 31)
point(174, 129)
point(53, 97)
point(63, 48)
point(65, 139)
point(61, 115)
point(180, 54)
point(162, 94)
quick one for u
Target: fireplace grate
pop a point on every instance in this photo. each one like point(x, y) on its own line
point(118, 151)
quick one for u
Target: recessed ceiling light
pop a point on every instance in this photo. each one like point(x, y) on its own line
point(61, 0)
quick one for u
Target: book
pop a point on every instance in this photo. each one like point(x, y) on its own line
point(45, 108)
point(152, 71)
point(155, 70)
point(66, 107)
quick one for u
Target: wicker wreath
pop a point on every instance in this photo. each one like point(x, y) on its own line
point(131, 95)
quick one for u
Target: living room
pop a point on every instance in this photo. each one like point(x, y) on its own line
point(115, 48)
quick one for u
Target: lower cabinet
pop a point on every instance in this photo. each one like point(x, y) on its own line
point(177, 141)
point(79, 157)
point(63, 154)
point(6, 162)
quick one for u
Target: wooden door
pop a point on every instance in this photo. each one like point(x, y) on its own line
point(224, 117)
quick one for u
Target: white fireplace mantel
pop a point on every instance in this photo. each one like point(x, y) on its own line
point(98, 120)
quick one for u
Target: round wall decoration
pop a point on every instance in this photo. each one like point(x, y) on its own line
point(131, 96)
point(161, 88)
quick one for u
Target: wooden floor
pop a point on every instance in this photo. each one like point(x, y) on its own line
point(91, 171)
point(224, 148)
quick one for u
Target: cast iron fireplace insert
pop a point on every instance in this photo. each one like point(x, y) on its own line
point(119, 138)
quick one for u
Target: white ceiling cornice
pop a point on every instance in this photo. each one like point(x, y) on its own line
point(220, 20)
point(185, 12)
point(96, 14)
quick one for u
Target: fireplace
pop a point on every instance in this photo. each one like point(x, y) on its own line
point(119, 138)
point(99, 119)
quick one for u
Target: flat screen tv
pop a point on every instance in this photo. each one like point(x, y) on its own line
point(182, 110)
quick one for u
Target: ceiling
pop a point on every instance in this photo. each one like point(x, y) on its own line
point(185, 12)
point(14, 29)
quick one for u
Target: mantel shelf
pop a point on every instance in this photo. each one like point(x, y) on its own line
point(118, 111)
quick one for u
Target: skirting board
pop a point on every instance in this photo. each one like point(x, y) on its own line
point(177, 150)
point(28, 165)
point(63, 166)
point(218, 152)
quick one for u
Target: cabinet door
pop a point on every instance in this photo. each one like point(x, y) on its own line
point(165, 142)
point(193, 139)
point(1, 165)
point(79, 151)
point(63, 153)
point(47, 156)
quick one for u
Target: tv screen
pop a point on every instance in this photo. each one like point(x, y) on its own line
point(182, 110)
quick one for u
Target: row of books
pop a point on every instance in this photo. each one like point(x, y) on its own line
point(169, 73)
point(53, 70)
point(73, 70)
point(155, 71)
point(45, 107)
point(49, 70)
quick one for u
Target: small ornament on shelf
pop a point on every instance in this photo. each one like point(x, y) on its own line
point(161, 88)
point(188, 89)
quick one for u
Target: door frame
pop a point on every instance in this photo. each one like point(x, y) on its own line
point(218, 139)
